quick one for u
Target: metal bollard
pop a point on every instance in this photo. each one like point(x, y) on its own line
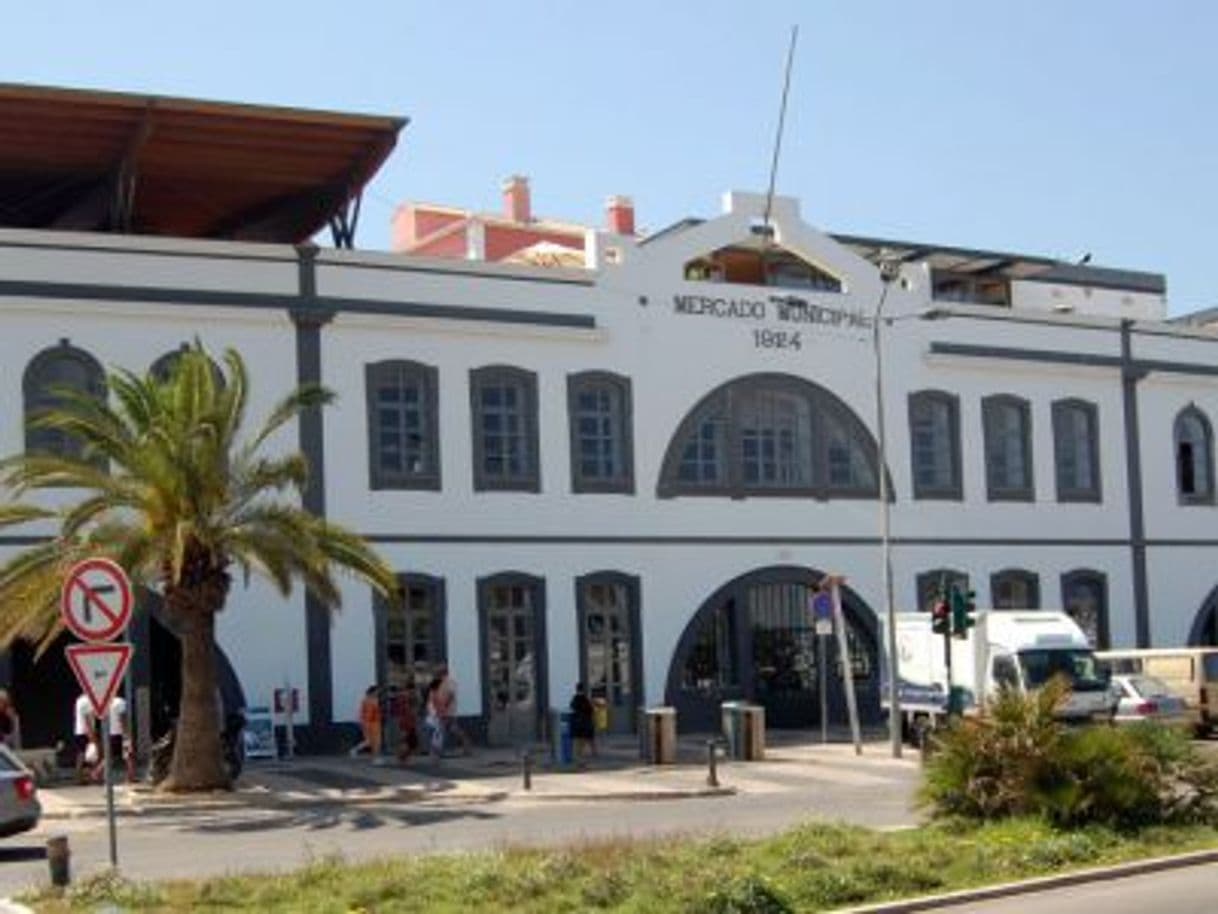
point(59, 858)
point(527, 760)
point(712, 774)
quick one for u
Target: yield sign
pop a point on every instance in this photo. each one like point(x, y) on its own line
point(99, 668)
point(96, 599)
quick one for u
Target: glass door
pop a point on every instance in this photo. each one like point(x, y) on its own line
point(511, 668)
point(608, 651)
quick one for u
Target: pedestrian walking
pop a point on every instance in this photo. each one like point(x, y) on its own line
point(407, 718)
point(370, 723)
point(583, 724)
point(120, 742)
point(83, 735)
point(432, 723)
point(445, 699)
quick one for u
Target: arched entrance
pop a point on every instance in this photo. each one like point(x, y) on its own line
point(44, 688)
point(1204, 632)
point(754, 639)
point(161, 671)
point(44, 692)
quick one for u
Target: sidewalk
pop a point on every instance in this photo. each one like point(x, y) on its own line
point(493, 775)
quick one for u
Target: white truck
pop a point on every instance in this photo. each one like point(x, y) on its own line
point(1021, 649)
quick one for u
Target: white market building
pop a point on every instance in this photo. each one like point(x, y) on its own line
point(631, 472)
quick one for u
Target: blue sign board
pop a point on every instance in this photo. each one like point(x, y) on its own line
point(822, 606)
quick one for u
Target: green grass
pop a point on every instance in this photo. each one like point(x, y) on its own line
point(811, 868)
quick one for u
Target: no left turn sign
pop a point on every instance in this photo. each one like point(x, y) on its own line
point(96, 600)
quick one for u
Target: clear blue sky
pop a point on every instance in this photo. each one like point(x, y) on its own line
point(1038, 126)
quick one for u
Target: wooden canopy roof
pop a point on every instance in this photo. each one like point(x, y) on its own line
point(105, 161)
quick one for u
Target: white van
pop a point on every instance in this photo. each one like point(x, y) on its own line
point(1019, 649)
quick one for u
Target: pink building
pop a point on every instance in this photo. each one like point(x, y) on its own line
point(515, 235)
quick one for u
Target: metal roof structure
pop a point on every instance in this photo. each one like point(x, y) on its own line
point(1003, 264)
point(978, 262)
point(143, 164)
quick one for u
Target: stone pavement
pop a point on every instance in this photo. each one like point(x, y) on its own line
point(493, 775)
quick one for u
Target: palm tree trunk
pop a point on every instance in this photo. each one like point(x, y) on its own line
point(197, 758)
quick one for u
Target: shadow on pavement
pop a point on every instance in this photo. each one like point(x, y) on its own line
point(330, 816)
point(10, 853)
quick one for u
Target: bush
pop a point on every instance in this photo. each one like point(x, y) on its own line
point(743, 895)
point(1016, 759)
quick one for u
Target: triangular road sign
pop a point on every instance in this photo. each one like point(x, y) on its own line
point(99, 668)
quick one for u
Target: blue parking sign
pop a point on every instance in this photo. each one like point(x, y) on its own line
point(822, 606)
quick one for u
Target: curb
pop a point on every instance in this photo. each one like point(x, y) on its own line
point(1039, 884)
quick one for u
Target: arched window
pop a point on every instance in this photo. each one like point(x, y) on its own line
point(931, 583)
point(1014, 588)
point(599, 417)
point(1194, 457)
point(934, 444)
point(62, 367)
point(1085, 600)
point(761, 264)
point(1007, 428)
point(503, 410)
point(162, 369)
point(403, 425)
point(1076, 450)
point(771, 434)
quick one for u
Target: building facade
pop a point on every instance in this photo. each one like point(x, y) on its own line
point(629, 461)
point(633, 473)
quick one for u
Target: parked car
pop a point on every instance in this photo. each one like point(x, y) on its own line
point(1148, 698)
point(19, 806)
point(1191, 672)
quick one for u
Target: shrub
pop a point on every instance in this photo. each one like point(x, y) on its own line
point(1017, 759)
point(743, 895)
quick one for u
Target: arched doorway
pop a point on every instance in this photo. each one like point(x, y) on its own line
point(754, 639)
point(161, 671)
point(1204, 632)
point(44, 688)
point(44, 692)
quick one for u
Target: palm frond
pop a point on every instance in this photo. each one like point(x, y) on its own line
point(15, 514)
point(306, 396)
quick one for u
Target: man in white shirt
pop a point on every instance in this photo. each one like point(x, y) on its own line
point(120, 736)
point(83, 723)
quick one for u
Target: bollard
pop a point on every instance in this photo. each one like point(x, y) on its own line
point(712, 775)
point(527, 760)
point(59, 859)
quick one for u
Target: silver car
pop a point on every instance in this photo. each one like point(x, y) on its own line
point(19, 806)
point(1147, 698)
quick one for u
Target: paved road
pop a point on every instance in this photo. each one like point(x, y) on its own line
point(213, 842)
point(1193, 890)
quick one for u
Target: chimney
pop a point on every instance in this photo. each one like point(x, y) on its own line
point(516, 199)
point(619, 215)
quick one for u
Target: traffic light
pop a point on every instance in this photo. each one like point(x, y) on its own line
point(941, 618)
point(963, 607)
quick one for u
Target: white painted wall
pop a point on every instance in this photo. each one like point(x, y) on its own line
point(673, 360)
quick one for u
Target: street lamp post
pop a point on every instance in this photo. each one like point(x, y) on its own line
point(889, 271)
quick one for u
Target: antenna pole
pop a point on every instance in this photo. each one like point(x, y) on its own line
point(782, 116)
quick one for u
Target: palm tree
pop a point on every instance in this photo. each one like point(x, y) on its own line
point(175, 493)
